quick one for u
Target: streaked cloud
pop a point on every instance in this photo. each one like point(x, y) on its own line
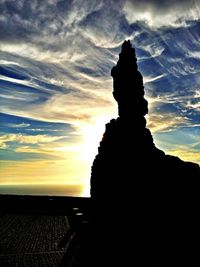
point(152, 79)
point(165, 122)
point(20, 125)
point(29, 139)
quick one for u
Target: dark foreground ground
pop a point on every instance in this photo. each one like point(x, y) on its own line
point(37, 231)
point(31, 240)
point(54, 231)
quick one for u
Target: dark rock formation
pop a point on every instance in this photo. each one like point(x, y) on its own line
point(128, 86)
point(131, 179)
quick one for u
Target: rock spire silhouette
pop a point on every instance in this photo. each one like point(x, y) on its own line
point(129, 173)
point(128, 86)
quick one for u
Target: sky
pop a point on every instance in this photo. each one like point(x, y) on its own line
point(56, 88)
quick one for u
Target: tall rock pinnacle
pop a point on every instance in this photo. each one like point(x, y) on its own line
point(128, 85)
point(130, 174)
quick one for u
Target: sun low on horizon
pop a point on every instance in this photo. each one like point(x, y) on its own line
point(56, 87)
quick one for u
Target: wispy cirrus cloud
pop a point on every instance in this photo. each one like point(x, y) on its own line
point(166, 122)
point(29, 139)
point(20, 125)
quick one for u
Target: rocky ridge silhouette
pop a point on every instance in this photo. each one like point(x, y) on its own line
point(130, 175)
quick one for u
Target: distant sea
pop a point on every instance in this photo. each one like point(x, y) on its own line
point(44, 190)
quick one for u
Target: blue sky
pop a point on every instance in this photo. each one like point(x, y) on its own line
point(56, 88)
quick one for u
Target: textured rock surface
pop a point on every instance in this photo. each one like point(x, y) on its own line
point(129, 174)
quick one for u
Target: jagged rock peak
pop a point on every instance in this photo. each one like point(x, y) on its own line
point(127, 56)
point(128, 85)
